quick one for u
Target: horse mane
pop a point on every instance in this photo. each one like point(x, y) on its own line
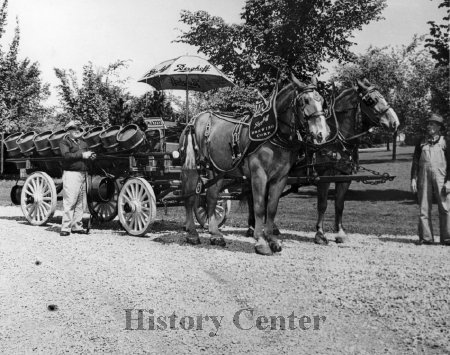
point(346, 100)
point(284, 94)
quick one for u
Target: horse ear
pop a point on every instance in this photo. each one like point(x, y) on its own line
point(296, 81)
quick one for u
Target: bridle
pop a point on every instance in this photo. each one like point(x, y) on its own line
point(370, 99)
point(299, 116)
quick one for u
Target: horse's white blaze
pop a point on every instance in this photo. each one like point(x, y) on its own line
point(319, 128)
point(393, 119)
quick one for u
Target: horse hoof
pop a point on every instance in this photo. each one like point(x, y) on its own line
point(263, 249)
point(250, 233)
point(219, 241)
point(320, 239)
point(275, 246)
point(193, 239)
point(276, 231)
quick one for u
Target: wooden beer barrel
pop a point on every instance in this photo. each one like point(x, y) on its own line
point(11, 144)
point(41, 141)
point(92, 138)
point(54, 140)
point(130, 137)
point(109, 138)
point(26, 143)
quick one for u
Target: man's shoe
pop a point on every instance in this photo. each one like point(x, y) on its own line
point(64, 234)
point(425, 242)
point(80, 231)
point(446, 242)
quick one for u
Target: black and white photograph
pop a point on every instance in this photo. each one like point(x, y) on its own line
point(224, 177)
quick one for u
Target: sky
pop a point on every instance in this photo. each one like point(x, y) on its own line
point(67, 34)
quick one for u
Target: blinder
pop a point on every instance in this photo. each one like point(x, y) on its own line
point(370, 99)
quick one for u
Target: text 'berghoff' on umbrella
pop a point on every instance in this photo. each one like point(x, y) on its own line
point(187, 72)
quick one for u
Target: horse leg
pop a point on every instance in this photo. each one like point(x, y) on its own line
point(189, 178)
point(322, 201)
point(341, 190)
point(275, 191)
point(211, 202)
point(248, 197)
point(259, 182)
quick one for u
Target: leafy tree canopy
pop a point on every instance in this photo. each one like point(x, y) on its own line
point(438, 40)
point(406, 76)
point(21, 88)
point(290, 35)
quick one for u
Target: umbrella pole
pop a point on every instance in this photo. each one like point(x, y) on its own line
point(187, 100)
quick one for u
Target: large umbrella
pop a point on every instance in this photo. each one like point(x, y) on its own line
point(187, 72)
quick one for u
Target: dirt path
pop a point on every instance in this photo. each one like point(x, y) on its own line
point(375, 295)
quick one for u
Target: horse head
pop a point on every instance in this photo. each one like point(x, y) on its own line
point(307, 105)
point(375, 106)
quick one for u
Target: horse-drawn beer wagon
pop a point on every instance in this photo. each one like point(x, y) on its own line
point(137, 171)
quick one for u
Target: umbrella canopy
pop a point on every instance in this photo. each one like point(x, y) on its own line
point(186, 73)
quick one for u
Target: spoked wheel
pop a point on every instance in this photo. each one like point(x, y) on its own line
point(102, 197)
point(136, 206)
point(223, 208)
point(38, 198)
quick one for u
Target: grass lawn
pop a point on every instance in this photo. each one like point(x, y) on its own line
point(388, 208)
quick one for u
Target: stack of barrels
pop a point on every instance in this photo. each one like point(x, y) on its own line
point(113, 139)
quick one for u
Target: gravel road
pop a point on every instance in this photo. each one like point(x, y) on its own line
point(375, 295)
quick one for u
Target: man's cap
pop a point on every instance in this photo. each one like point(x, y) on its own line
point(436, 118)
point(73, 124)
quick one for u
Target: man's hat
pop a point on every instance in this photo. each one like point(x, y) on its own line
point(436, 118)
point(72, 124)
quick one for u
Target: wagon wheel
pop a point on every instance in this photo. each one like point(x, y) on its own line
point(136, 206)
point(223, 208)
point(104, 211)
point(38, 198)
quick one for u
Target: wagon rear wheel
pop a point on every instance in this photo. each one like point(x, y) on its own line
point(38, 198)
point(104, 209)
point(136, 206)
point(223, 208)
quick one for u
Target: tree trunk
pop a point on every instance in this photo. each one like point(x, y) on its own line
point(388, 148)
point(394, 146)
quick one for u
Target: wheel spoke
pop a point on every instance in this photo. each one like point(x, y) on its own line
point(125, 197)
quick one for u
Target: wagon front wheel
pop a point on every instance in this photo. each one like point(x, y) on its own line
point(38, 198)
point(136, 206)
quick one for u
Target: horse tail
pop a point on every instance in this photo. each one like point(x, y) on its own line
point(189, 160)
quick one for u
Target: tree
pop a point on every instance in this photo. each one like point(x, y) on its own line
point(279, 34)
point(100, 98)
point(437, 43)
point(21, 88)
point(404, 76)
point(151, 104)
point(438, 40)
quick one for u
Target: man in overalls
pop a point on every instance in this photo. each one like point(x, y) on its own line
point(430, 175)
point(75, 153)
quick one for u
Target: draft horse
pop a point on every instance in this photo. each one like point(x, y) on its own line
point(205, 142)
point(341, 157)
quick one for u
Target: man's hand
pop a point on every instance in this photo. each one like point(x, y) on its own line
point(414, 186)
point(88, 155)
point(446, 187)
